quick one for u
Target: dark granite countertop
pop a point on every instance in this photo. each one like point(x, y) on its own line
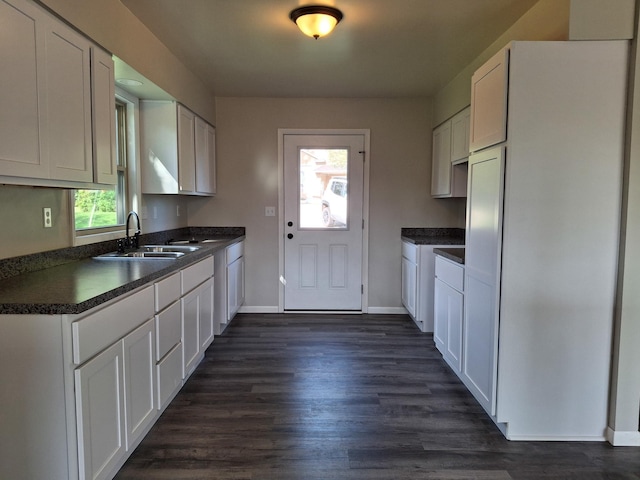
point(453, 254)
point(74, 285)
point(433, 236)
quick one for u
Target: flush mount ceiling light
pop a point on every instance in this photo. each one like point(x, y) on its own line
point(316, 20)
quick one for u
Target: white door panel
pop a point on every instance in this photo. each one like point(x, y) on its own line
point(323, 217)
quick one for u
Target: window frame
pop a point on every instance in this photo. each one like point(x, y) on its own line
point(129, 178)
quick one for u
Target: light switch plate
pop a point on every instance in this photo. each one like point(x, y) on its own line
point(269, 211)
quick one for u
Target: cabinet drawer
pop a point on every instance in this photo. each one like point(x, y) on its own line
point(234, 252)
point(410, 252)
point(167, 291)
point(169, 372)
point(168, 329)
point(98, 330)
point(194, 275)
point(450, 273)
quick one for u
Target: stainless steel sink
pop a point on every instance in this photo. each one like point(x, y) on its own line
point(170, 248)
point(153, 252)
point(138, 254)
point(206, 240)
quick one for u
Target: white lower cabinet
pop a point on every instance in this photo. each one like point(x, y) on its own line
point(197, 313)
point(106, 374)
point(115, 401)
point(169, 374)
point(100, 413)
point(205, 320)
point(448, 311)
point(229, 284)
point(418, 269)
point(190, 331)
point(139, 381)
point(235, 293)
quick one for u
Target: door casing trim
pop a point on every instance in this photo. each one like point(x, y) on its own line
point(366, 133)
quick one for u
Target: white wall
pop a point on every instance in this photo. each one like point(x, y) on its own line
point(546, 20)
point(400, 178)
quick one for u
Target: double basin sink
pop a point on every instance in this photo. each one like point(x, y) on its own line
point(162, 252)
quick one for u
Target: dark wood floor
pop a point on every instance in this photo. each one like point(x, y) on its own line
point(344, 397)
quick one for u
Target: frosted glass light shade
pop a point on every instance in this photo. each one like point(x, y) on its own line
point(316, 21)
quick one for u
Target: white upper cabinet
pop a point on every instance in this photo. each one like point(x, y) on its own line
point(23, 48)
point(104, 136)
point(186, 150)
point(68, 106)
point(46, 125)
point(441, 160)
point(489, 102)
point(450, 151)
point(205, 137)
point(175, 150)
point(460, 136)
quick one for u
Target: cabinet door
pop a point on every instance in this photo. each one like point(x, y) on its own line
point(104, 139)
point(168, 329)
point(68, 109)
point(448, 324)
point(21, 87)
point(100, 413)
point(190, 331)
point(186, 150)
point(489, 102)
point(235, 287)
point(441, 161)
point(482, 275)
point(205, 138)
point(409, 285)
point(139, 371)
point(440, 315)
point(206, 314)
point(460, 136)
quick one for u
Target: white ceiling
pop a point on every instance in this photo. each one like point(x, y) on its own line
point(382, 48)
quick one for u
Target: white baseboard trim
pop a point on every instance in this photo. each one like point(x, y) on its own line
point(623, 439)
point(257, 309)
point(274, 309)
point(388, 310)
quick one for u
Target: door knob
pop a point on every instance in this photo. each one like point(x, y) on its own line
point(290, 224)
point(290, 236)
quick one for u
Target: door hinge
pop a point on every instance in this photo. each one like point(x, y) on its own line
point(363, 223)
point(362, 289)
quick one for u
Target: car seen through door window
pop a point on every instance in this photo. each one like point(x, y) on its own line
point(334, 203)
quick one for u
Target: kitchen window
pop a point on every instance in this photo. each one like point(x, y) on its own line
point(101, 214)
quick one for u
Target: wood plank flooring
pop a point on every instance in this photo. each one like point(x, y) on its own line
point(349, 397)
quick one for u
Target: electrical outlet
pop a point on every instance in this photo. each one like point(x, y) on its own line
point(48, 221)
point(269, 211)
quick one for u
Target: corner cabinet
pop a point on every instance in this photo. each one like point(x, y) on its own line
point(178, 150)
point(418, 270)
point(48, 77)
point(229, 286)
point(450, 152)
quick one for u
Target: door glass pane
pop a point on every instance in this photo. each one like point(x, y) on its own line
point(323, 188)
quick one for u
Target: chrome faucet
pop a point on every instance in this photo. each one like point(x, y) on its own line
point(135, 241)
point(130, 242)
